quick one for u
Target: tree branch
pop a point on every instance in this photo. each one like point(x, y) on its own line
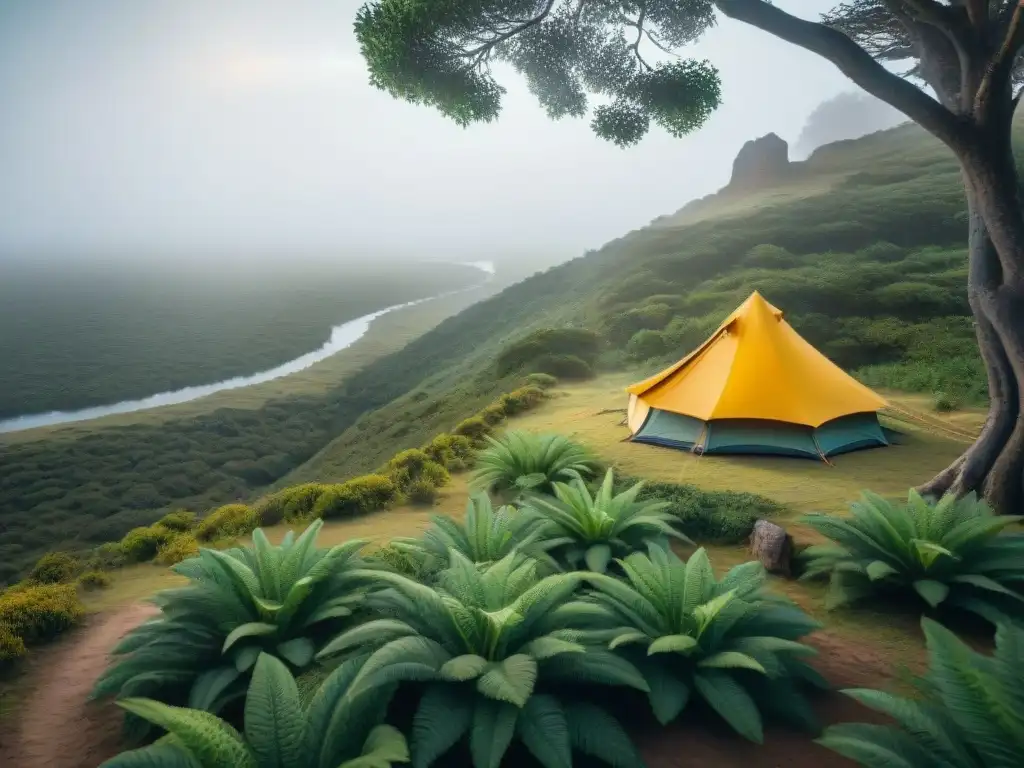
point(520, 28)
point(853, 61)
point(1000, 72)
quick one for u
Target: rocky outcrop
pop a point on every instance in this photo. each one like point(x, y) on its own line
point(761, 162)
point(773, 547)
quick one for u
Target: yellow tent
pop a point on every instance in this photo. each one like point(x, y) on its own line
point(756, 386)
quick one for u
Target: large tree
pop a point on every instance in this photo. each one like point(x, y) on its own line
point(967, 52)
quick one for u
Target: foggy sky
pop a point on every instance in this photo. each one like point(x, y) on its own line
point(182, 129)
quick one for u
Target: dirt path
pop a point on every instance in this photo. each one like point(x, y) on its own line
point(57, 727)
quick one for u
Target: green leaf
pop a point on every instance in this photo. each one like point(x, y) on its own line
point(596, 733)
point(208, 739)
point(626, 638)
point(166, 753)
point(251, 629)
point(384, 746)
point(298, 652)
point(672, 644)
point(544, 730)
point(274, 719)
point(494, 724)
point(210, 685)
point(932, 592)
point(879, 569)
point(547, 647)
point(443, 717)
point(246, 657)
point(597, 557)
point(729, 699)
point(511, 680)
point(731, 660)
point(668, 695)
point(465, 667)
point(928, 552)
point(371, 632)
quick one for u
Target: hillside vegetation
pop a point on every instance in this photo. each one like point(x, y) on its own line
point(864, 251)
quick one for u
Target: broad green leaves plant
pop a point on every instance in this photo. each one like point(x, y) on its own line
point(588, 531)
point(970, 712)
point(522, 462)
point(284, 600)
point(333, 731)
point(488, 646)
point(486, 535)
point(728, 642)
point(951, 553)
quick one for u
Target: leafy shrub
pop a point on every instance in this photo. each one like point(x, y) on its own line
point(945, 403)
point(474, 428)
point(485, 535)
point(590, 530)
point(966, 715)
point(490, 645)
point(770, 256)
point(91, 580)
point(542, 380)
point(227, 521)
point(279, 731)
point(725, 641)
point(141, 544)
point(39, 613)
point(714, 517)
point(522, 461)
point(181, 547)
point(284, 600)
point(358, 496)
point(12, 647)
point(106, 556)
point(646, 344)
point(409, 562)
point(55, 568)
point(179, 520)
point(422, 492)
point(449, 450)
point(434, 474)
point(293, 504)
point(493, 414)
point(948, 554)
point(569, 367)
point(580, 342)
point(521, 400)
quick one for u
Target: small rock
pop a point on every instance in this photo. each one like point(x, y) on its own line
point(773, 547)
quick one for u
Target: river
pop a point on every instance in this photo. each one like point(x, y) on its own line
point(342, 336)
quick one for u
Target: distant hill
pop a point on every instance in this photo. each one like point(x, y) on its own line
point(862, 245)
point(848, 115)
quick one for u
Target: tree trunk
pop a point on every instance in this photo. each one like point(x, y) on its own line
point(994, 466)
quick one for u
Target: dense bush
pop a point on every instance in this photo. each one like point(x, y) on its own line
point(422, 492)
point(179, 520)
point(280, 731)
point(521, 400)
point(452, 452)
point(283, 600)
point(475, 427)
point(966, 715)
point(645, 345)
point(142, 544)
point(91, 580)
point(12, 647)
point(592, 529)
point(38, 613)
point(489, 650)
point(55, 568)
point(181, 547)
point(519, 461)
point(726, 641)
point(228, 521)
point(950, 554)
point(494, 413)
point(581, 343)
point(569, 367)
point(542, 380)
point(358, 496)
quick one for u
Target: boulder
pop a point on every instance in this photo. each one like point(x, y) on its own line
point(761, 162)
point(773, 547)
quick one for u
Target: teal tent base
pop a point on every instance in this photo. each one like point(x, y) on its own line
point(761, 437)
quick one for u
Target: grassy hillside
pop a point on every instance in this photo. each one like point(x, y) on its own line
point(102, 334)
point(864, 250)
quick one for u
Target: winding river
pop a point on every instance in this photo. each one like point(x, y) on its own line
point(342, 336)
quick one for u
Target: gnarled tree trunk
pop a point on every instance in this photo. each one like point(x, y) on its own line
point(994, 465)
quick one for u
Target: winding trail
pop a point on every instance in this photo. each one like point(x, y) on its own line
point(56, 726)
point(342, 336)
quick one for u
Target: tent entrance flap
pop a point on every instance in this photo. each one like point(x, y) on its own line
point(672, 430)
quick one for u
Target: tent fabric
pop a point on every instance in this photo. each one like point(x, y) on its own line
point(759, 437)
point(756, 386)
point(755, 366)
